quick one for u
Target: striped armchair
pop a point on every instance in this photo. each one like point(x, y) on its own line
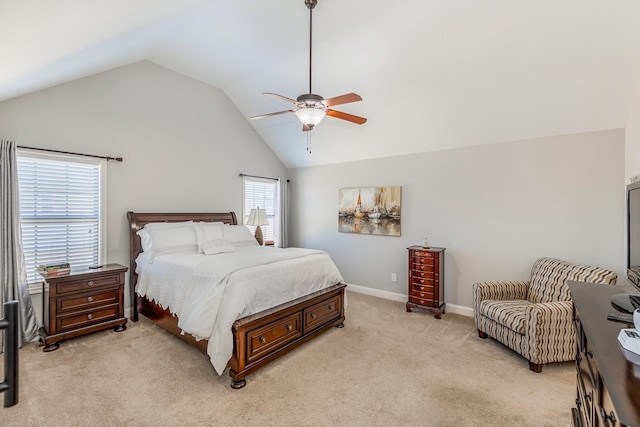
point(534, 317)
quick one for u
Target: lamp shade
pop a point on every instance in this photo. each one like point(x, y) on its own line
point(310, 116)
point(257, 217)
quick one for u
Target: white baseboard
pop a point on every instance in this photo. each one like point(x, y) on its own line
point(393, 296)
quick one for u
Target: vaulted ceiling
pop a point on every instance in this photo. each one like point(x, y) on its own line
point(433, 74)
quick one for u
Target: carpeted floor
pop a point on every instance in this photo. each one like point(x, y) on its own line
point(385, 368)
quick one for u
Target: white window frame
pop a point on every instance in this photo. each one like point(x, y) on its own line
point(36, 287)
point(272, 218)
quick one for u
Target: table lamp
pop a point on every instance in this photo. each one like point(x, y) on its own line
point(258, 217)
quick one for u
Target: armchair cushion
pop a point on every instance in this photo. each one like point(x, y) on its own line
point(511, 313)
point(505, 290)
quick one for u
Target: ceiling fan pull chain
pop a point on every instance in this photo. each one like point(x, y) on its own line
point(309, 142)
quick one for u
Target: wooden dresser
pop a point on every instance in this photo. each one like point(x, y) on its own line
point(82, 302)
point(607, 385)
point(426, 279)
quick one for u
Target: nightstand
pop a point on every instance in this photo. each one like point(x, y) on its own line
point(82, 302)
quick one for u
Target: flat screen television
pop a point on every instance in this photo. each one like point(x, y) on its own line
point(629, 302)
point(633, 234)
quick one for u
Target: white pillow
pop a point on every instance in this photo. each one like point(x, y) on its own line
point(145, 239)
point(208, 231)
point(169, 239)
point(239, 235)
point(216, 246)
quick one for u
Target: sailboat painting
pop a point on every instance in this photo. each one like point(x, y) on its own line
point(369, 210)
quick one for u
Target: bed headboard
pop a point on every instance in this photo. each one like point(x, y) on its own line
point(139, 220)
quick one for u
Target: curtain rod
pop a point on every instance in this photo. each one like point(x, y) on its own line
point(117, 159)
point(262, 177)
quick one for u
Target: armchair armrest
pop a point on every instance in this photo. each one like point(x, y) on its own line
point(551, 335)
point(504, 290)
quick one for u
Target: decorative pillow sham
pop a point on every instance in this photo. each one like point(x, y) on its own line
point(145, 239)
point(216, 246)
point(177, 237)
point(208, 231)
point(239, 235)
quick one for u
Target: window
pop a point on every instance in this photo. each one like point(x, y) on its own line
point(260, 193)
point(60, 210)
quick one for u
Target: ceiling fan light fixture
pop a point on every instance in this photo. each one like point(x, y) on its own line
point(310, 116)
point(312, 108)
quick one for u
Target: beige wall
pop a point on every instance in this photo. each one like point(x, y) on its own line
point(496, 208)
point(183, 142)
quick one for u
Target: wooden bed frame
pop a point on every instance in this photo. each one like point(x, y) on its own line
point(257, 339)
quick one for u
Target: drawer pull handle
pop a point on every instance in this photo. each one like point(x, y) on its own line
point(422, 288)
point(89, 316)
point(607, 417)
point(330, 306)
point(263, 340)
point(289, 328)
point(90, 283)
point(90, 299)
point(313, 315)
point(421, 294)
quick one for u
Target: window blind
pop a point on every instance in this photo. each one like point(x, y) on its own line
point(260, 193)
point(60, 212)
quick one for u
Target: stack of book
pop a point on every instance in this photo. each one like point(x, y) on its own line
point(49, 270)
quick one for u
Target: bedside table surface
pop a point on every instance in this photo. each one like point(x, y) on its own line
point(78, 273)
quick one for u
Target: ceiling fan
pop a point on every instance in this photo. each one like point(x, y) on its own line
point(311, 107)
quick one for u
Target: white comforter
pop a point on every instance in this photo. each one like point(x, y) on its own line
point(210, 292)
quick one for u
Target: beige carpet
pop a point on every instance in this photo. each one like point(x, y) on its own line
point(385, 368)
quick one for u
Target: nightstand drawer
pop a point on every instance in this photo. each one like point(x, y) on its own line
point(87, 318)
point(87, 300)
point(88, 284)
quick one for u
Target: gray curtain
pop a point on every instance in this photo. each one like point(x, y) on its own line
point(281, 229)
point(13, 275)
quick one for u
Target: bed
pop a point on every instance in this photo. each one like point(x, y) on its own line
point(256, 338)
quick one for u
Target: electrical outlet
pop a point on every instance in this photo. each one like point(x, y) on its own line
point(394, 277)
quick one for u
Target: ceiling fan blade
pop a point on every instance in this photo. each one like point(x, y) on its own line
point(284, 98)
point(342, 99)
point(306, 128)
point(346, 116)
point(273, 114)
